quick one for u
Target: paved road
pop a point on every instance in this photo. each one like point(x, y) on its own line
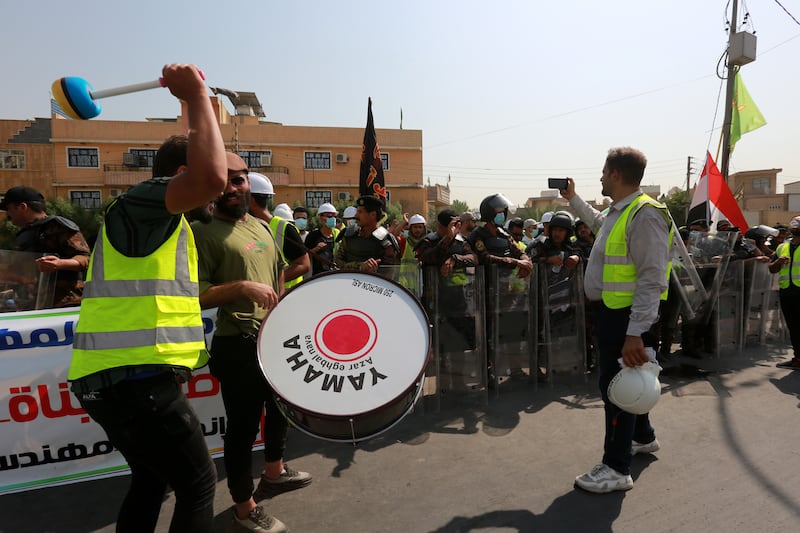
point(729, 461)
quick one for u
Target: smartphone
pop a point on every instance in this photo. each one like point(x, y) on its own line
point(557, 183)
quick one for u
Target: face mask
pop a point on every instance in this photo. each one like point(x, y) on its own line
point(330, 222)
point(405, 233)
point(351, 222)
point(270, 204)
point(301, 223)
point(499, 219)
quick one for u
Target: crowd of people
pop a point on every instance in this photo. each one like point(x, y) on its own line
point(204, 233)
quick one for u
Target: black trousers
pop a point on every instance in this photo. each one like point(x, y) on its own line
point(246, 395)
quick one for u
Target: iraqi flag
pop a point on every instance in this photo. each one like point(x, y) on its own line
point(713, 199)
point(370, 178)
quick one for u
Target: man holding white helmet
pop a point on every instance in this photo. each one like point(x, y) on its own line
point(626, 278)
point(319, 242)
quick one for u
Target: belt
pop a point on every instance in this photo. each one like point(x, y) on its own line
point(108, 378)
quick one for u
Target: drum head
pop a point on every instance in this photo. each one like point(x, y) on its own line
point(345, 344)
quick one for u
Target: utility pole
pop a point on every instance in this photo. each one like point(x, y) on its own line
point(726, 125)
point(688, 185)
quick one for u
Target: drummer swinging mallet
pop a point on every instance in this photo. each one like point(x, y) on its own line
point(78, 99)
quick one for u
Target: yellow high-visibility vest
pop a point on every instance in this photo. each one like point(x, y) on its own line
point(278, 227)
point(790, 272)
point(619, 272)
point(140, 310)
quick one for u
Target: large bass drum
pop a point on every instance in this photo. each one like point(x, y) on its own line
point(345, 353)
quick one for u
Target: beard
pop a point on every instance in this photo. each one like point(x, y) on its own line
point(236, 210)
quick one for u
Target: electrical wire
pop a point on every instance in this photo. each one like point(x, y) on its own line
point(787, 12)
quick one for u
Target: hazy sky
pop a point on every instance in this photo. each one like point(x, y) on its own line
point(505, 93)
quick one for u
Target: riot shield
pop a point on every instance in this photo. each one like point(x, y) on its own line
point(457, 369)
point(729, 310)
point(757, 304)
point(562, 320)
point(510, 333)
point(22, 286)
point(710, 255)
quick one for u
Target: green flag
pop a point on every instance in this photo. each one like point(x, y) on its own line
point(746, 117)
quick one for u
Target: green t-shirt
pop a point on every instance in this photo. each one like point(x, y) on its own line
point(232, 251)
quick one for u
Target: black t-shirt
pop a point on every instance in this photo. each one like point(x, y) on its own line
point(293, 246)
point(323, 260)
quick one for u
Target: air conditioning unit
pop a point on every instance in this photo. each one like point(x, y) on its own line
point(344, 196)
point(143, 161)
point(342, 158)
point(129, 160)
point(265, 160)
point(113, 193)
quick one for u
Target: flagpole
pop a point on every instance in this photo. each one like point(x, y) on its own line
point(726, 125)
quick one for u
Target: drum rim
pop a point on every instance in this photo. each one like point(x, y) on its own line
point(418, 381)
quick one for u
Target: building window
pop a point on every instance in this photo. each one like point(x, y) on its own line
point(86, 199)
point(82, 157)
point(317, 198)
point(12, 159)
point(385, 161)
point(761, 185)
point(143, 157)
point(257, 158)
point(317, 160)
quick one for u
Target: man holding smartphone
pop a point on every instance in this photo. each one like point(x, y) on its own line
point(626, 278)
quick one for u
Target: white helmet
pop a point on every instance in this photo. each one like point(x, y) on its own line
point(283, 211)
point(260, 184)
point(327, 208)
point(546, 217)
point(636, 389)
point(416, 219)
point(349, 212)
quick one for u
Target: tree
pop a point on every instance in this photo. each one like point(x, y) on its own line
point(458, 206)
point(677, 201)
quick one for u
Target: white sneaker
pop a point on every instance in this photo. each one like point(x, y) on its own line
point(258, 521)
point(650, 447)
point(602, 478)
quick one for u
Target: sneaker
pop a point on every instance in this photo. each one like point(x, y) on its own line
point(602, 478)
point(258, 521)
point(793, 364)
point(289, 480)
point(650, 447)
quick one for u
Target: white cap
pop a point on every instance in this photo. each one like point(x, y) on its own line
point(528, 223)
point(349, 212)
point(416, 219)
point(283, 211)
point(546, 217)
point(260, 184)
point(327, 208)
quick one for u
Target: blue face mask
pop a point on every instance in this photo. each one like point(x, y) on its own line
point(405, 233)
point(330, 222)
point(499, 218)
point(301, 223)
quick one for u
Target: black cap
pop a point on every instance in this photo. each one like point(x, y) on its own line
point(370, 203)
point(723, 222)
point(700, 222)
point(445, 216)
point(18, 195)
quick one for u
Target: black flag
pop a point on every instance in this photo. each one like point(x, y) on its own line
point(370, 178)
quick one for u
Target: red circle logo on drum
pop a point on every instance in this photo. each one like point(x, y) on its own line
point(346, 335)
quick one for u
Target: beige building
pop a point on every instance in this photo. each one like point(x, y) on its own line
point(756, 193)
point(88, 161)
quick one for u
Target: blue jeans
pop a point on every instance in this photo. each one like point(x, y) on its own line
point(246, 395)
point(610, 327)
point(152, 424)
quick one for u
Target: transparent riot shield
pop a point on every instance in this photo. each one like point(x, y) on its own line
point(710, 255)
point(509, 327)
point(757, 302)
point(457, 370)
point(22, 286)
point(407, 276)
point(775, 327)
point(729, 310)
point(562, 335)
